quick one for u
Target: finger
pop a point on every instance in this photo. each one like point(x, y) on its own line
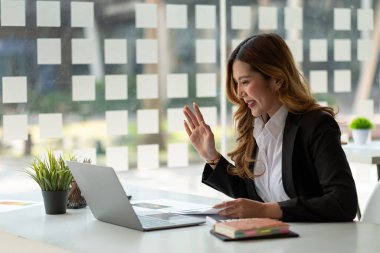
point(188, 131)
point(189, 119)
point(198, 112)
point(228, 212)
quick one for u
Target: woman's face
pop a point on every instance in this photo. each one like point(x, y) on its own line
point(258, 93)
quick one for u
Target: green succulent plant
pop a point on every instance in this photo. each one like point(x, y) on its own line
point(51, 174)
point(361, 123)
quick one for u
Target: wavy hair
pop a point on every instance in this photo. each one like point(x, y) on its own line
point(268, 55)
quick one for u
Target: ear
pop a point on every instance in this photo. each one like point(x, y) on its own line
point(277, 83)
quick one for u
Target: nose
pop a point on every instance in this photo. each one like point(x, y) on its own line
point(240, 91)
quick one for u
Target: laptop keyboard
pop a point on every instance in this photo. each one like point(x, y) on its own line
point(147, 221)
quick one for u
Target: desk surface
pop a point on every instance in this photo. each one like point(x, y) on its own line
point(369, 153)
point(78, 231)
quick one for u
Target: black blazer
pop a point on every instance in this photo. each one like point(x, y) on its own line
point(315, 172)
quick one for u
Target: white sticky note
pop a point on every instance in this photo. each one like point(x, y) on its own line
point(205, 16)
point(151, 151)
point(235, 43)
point(83, 51)
point(342, 50)
point(13, 12)
point(48, 13)
point(117, 158)
point(178, 155)
point(241, 17)
point(146, 51)
point(323, 103)
point(85, 154)
point(267, 18)
point(342, 80)
point(117, 122)
point(365, 19)
point(206, 85)
point(318, 81)
point(15, 127)
point(366, 108)
point(293, 18)
point(147, 121)
point(147, 86)
point(49, 51)
point(210, 115)
point(175, 119)
point(364, 49)
point(296, 47)
point(318, 50)
point(342, 19)
point(176, 16)
point(115, 51)
point(50, 125)
point(82, 14)
point(146, 15)
point(14, 89)
point(83, 88)
point(116, 87)
point(205, 51)
point(177, 86)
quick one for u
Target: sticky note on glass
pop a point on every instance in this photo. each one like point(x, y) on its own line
point(13, 12)
point(241, 17)
point(175, 118)
point(342, 50)
point(206, 84)
point(116, 87)
point(115, 51)
point(82, 14)
point(14, 89)
point(176, 16)
point(235, 43)
point(210, 115)
point(49, 51)
point(205, 51)
point(177, 86)
point(342, 19)
point(366, 108)
point(50, 125)
point(48, 13)
point(117, 122)
point(205, 16)
point(146, 51)
point(267, 18)
point(15, 127)
point(83, 51)
point(86, 153)
point(364, 49)
point(147, 121)
point(318, 50)
point(318, 81)
point(296, 47)
point(151, 151)
point(146, 15)
point(117, 158)
point(293, 18)
point(147, 86)
point(365, 19)
point(342, 80)
point(83, 88)
point(178, 155)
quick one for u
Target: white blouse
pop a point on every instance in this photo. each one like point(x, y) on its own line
point(268, 162)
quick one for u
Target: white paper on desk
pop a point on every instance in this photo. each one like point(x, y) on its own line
point(202, 211)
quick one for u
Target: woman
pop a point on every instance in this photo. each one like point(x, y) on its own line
point(289, 163)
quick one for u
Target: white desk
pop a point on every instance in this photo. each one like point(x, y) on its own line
point(78, 231)
point(369, 154)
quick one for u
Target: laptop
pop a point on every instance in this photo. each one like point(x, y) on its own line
point(108, 201)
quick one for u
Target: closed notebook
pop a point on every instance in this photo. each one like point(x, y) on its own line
point(251, 227)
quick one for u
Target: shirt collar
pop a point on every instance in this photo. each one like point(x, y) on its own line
point(275, 125)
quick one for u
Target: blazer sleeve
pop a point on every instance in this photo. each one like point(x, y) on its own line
point(220, 180)
point(338, 199)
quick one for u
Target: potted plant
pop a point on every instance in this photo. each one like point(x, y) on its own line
point(361, 127)
point(54, 178)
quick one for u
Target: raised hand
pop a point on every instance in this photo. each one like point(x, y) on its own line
point(200, 134)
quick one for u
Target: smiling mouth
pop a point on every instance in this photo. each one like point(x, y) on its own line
point(251, 104)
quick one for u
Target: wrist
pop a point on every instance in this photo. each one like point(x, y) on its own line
point(272, 210)
point(214, 160)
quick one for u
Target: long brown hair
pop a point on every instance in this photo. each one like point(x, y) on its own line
point(269, 55)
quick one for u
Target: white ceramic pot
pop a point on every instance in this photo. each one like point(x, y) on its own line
point(360, 136)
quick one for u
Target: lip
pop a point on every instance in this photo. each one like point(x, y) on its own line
point(251, 103)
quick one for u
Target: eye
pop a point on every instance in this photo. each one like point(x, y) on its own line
point(245, 82)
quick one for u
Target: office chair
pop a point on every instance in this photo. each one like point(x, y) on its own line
point(372, 211)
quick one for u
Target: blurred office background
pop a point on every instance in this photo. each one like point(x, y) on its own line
point(107, 80)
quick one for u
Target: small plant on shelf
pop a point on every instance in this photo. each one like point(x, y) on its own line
point(361, 127)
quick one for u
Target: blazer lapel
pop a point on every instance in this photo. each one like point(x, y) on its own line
point(290, 132)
